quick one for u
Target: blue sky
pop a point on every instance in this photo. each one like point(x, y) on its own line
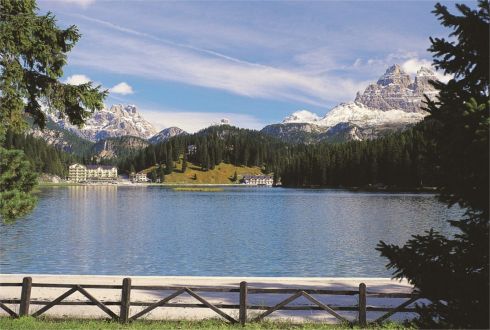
point(189, 64)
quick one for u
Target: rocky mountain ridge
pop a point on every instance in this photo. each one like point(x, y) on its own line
point(98, 135)
point(393, 103)
point(118, 120)
point(395, 90)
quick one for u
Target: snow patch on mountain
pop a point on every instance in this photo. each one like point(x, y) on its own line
point(166, 134)
point(361, 115)
point(394, 99)
point(301, 116)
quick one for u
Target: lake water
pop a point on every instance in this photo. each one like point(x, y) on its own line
point(241, 231)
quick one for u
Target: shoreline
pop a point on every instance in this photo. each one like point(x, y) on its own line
point(431, 190)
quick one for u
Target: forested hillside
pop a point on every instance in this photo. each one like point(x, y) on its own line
point(398, 159)
point(44, 157)
point(211, 147)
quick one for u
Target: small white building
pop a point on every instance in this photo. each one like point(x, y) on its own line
point(139, 177)
point(101, 172)
point(258, 180)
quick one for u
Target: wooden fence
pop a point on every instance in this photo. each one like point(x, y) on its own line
point(242, 306)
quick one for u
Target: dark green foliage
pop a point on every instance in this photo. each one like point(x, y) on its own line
point(398, 159)
point(460, 117)
point(33, 51)
point(17, 179)
point(453, 272)
point(214, 145)
point(43, 157)
point(169, 162)
point(160, 173)
point(157, 174)
point(184, 161)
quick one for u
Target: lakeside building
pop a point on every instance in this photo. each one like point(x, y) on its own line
point(258, 180)
point(85, 173)
point(139, 177)
point(77, 173)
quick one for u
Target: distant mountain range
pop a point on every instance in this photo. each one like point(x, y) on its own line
point(108, 133)
point(116, 121)
point(393, 103)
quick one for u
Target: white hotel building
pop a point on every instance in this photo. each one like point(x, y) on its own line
point(85, 173)
point(258, 180)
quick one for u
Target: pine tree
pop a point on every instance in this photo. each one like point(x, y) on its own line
point(161, 174)
point(17, 179)
point(453, 271)
point(33, 52)
point(184, 161)
point(169, 164)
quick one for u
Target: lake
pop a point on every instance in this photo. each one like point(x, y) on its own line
point(241, 231)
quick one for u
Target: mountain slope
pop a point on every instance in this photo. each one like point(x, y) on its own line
point(61, 138)
point(118, 146)
point(166, 134)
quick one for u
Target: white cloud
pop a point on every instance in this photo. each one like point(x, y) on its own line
point(305, 73)
point(81, 3)
point(135, 56)
point(194, 121)
point(77, 79)
point(412, 65)
point(122, 88)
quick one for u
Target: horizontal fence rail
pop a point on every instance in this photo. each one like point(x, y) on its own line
point(242, 304)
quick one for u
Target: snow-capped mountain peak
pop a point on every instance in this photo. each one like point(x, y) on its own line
point(392, 103)
point(425, 72)
point(118, 120)
point(394, 75)
point(359, 114)
point(301, 116)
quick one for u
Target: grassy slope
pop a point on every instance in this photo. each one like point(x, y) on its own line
point(52, 324)
point(221, 174)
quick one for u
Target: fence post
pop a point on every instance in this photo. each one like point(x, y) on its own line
point(362, 305)
point(125, 300)
point(243, 303)
point(25, 296)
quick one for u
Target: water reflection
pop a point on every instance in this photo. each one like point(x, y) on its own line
point(241, 231)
